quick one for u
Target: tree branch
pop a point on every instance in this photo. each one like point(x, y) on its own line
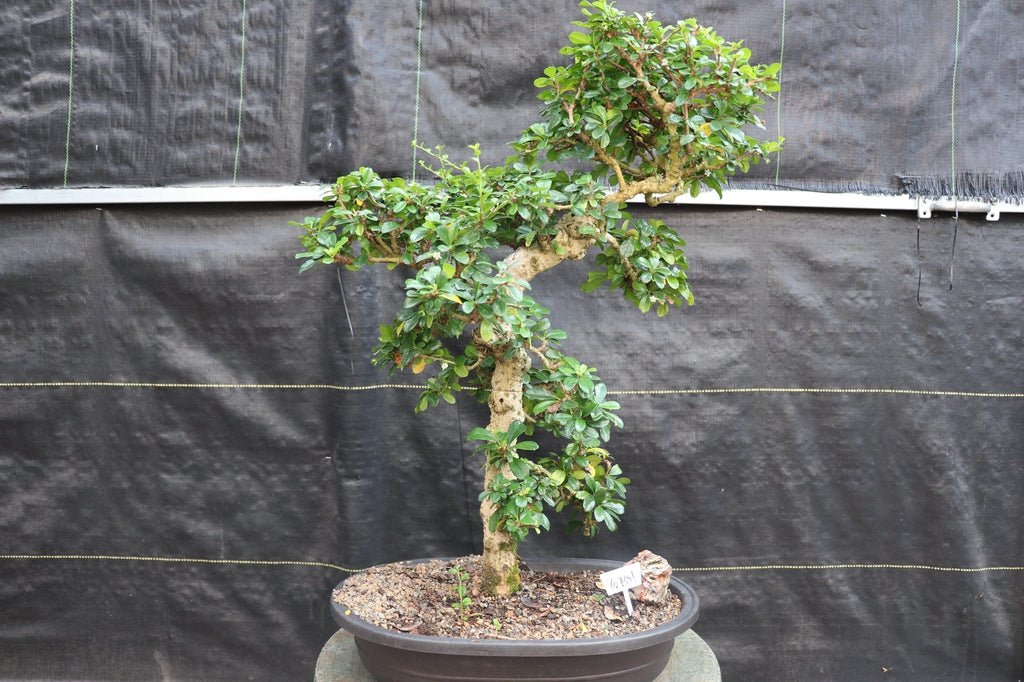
point(526, 262)
point(605, 158)
point(631, 272)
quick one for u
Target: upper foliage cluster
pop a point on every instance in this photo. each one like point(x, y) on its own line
point(660, 107)
point(657, 111)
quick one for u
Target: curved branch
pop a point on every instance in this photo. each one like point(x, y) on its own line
point(526, 262)
point(631, 272)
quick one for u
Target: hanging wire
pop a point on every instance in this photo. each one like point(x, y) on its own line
point(952, 145)
point(419, 70)
point(952, 254)
point(919, 266)
point(344, 303)
point(348, 318)
point(71, 88)
point(778, 101)
point(241, 95)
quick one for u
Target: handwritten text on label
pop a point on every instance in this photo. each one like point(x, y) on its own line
point(622, 579)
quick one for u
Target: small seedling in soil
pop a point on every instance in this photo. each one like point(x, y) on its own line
point(461, 589)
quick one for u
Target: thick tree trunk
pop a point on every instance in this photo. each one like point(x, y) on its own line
point(500, 560)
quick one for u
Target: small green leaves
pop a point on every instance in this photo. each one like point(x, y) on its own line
point(652, 75)
point(461, 589)
point(646, 260)
point(582, 478)
point(566, 398)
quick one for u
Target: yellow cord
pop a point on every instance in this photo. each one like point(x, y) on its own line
point(835, 567)
point(176, 560)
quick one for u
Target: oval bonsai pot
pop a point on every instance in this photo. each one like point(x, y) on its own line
point(638, 657)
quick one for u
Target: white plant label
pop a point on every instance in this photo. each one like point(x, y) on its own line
point(622, 580)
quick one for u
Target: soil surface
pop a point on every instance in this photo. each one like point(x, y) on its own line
point(423, 599)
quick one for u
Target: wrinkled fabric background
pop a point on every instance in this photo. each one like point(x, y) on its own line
point(170, 387)
point(176, 94)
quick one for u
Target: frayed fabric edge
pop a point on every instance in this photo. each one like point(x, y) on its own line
point(1005, 187)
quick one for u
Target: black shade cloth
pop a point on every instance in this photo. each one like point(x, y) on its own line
point(173, 388)
point(282, 92)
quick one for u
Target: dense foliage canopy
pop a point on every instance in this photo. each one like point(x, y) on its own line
point(650, 110)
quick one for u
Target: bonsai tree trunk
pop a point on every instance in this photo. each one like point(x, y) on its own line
point(500, 559)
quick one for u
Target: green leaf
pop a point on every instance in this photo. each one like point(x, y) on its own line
point(481, 434)
point(577, 38)
point(515, 430)
point(593, 283)
point(486, 330)
point(520, 467)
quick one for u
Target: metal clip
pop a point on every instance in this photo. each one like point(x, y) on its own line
point(927, 205)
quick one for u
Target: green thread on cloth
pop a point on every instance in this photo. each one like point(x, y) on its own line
point(241, 95)
point(778, 101)
point(952, 106)
point(175, 560)
point(71, 82)
point(416, 107)
point(420, 387)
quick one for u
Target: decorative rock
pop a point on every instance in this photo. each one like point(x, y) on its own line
point(656, 573)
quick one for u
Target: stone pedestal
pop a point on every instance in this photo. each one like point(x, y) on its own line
point(692, 661)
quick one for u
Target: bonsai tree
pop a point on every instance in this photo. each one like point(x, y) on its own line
point(651, 110)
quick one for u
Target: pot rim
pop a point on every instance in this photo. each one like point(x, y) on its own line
point(531, 647)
